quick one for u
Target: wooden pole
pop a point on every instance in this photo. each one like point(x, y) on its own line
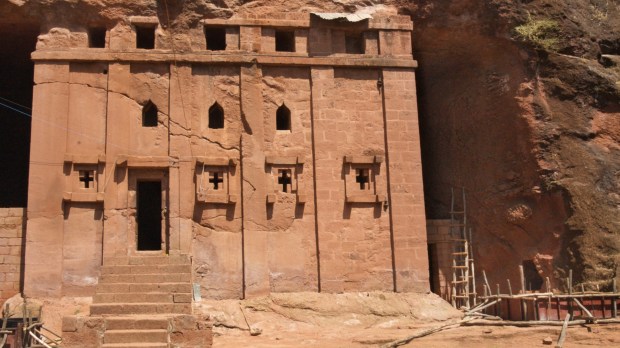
point(481, 308)
point(614, 305)
point(523, 308)
point(486, 281)
point(509, 287)
point(466, 275)
point(583, 308)
point(473, 269)
point(454, 283)
point(498, 310)
point(570, 291)
point(563, 332)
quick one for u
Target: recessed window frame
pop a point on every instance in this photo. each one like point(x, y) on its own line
point(216, 116)
point(283, 119)
point(97, 37)
point(284, 40)
point(145, 36)
point(150, 115)
point(354, 43)
point(218, 40)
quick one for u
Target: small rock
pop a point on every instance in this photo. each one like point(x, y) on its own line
point(487, 331)
point(255, 331)
point(547, 340)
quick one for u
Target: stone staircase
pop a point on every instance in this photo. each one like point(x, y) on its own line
point(139, 302)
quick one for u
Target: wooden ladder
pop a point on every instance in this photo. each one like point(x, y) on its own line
point(463, 292)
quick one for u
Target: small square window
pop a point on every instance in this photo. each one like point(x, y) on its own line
point(96, 37)
point(285, 41)
point(354, 43)
point(145, 37)
point(216, 38)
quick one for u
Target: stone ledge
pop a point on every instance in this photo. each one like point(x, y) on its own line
point(82, 196)
point(84, 159)
point(284, 160)
point(216, 198)
point(216, 161)
point(145, 161)
point(366, 198)
point(228, 57)
point(363, 159)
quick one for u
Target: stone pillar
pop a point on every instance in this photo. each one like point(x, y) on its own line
point(253, 181)
point(44, 238)
point(407, 193)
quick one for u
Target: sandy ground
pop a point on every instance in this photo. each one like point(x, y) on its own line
point(607, 335)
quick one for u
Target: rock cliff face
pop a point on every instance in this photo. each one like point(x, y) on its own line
point(519, 103)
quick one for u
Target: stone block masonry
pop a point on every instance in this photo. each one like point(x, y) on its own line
point(284, 156)
point(12, 226)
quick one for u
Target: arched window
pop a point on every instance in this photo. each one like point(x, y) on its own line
point(216, 116)
point(283, 118)
point(149, 115)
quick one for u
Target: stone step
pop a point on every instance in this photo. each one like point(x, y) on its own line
point(173, 287)
point(135, 345)
point(147, 260)
point(135, 322)
point(145, 278)
point(135, 336)
point(136, 297)
point(139, 308)
point(145, 269)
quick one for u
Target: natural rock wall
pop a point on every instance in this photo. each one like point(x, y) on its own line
point(530, 128)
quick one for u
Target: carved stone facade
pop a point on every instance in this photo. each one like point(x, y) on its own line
point(280, 154)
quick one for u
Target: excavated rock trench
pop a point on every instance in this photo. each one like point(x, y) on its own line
point(532, 134)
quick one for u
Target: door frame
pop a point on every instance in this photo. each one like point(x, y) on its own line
point(136, 175)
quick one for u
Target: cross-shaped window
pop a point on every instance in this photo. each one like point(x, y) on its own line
point(284, 179)
point(362, 178)
point(86, 177)
point(216, 178)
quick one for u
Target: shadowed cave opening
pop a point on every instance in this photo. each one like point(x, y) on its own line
point(17, 40)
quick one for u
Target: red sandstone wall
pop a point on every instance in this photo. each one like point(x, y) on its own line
point(259, 239)
point(12, 225)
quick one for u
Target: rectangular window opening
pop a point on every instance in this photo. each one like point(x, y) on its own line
point(145, 37)
point(354, 43)
point(285, 41)
point(216, 38)
point(96, 37)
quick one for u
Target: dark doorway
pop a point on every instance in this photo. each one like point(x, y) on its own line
point(433, 269)
point(533, 280)
point(149, 215)
point(17, 40)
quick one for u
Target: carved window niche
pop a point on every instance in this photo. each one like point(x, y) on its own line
point(287, 179)
point(361, 176)
point(213, 180)
point(83, 178)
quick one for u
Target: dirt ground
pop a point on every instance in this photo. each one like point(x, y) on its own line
point(605, 335)
point(372, 320)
